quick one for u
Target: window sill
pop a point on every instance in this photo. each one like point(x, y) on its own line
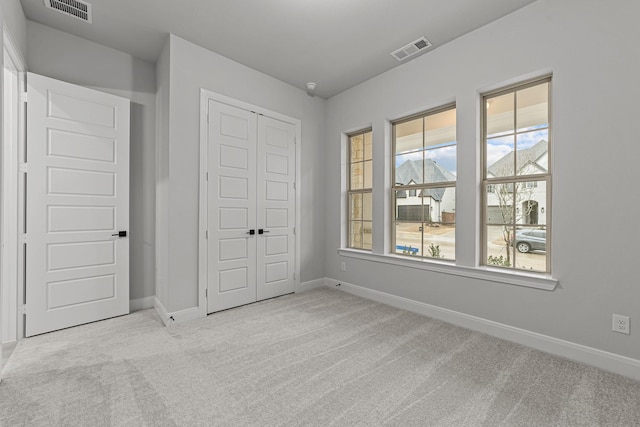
point(538, 281)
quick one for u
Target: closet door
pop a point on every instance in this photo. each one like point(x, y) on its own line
point(231, 207)
point(276, 208)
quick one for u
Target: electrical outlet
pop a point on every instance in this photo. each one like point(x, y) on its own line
point(621, 324)
point(343, 266)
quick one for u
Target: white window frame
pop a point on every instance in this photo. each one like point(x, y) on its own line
point(490, 183)
point(414, 190)
point(364, 190)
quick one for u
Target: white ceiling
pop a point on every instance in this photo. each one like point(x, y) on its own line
point(335, 43)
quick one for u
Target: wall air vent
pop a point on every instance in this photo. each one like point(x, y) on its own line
point(74, 8)
point(411, 49)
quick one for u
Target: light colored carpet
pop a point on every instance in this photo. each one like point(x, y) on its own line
point(318, 358)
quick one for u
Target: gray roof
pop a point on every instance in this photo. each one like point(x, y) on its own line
point(525, 157)
point(411, 170)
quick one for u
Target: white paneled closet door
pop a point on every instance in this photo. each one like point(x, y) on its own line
point(250, 207)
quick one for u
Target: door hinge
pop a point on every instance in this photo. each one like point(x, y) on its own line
point(294, 185)
point(206, 234)
point(294, 230)
point(206, 293)
point(22, 168)
point(23, 97)
point(22, 238)
point(22, 309)
point(294, 276)
point(207, 177)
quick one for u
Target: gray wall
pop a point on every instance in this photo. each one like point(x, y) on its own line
point(591, 47)
point(72, 59)
point(16, 23)
point(193, 68)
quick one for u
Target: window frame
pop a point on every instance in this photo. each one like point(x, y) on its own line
point(491, 183)
point(418, 188)
point(361, 191)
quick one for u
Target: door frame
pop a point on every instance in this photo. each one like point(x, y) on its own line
point(13, 195)
point(203, 274)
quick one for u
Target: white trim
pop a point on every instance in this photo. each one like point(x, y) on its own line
point(141, 304)
point(11, 254)
point(175, 317)
point(162, 312)
point(612, 362)
point(205, 97)
point(538, 281)
point(311, 284)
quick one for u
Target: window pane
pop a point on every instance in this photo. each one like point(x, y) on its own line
point(500, 115)
point(531, 249)
point(368, 146)
point(533, 107)
point(499, 251)
point(357, 176)
point(532, 155)
point(357, 148)
point(440, 164)
point(355, 235)
point(368, 174)
point(499, 204)
point(500, 159)
point(531, 202)
point(440, 128)
point(355, 207)
point(408, 136)
point(440, 241)
point(367, 206)
point(367, 233)
point(409, 168)
point(408, 238)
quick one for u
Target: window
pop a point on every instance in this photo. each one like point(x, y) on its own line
point(360, 184)
point(424, 163)
point(517, 177)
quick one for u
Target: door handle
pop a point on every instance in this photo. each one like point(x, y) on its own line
point(252, 232)
point(261, 231)
point(120, 234)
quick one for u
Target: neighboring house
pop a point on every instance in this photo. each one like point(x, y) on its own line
point(531, 197)
point(439, 203)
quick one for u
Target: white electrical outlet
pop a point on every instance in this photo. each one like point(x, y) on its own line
point(343, 266)
point(621, 324)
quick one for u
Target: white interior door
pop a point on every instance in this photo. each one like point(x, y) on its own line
point(276, 208)
point(77, 196)
point(231, 207)
point(250, 207)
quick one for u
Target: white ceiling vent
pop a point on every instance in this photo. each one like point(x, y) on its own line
point(411, 49)
point(75, 8)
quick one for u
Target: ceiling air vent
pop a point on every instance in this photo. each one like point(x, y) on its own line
point(75, 8)
point(411, 49)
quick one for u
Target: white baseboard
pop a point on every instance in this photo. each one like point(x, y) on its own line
point(162, 312)
point(612, 362)
point(311, 284)
point(141, 304)
point(175, 317)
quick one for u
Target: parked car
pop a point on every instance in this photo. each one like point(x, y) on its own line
point(531, 240)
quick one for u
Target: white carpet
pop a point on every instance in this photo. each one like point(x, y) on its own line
point(318, 358)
